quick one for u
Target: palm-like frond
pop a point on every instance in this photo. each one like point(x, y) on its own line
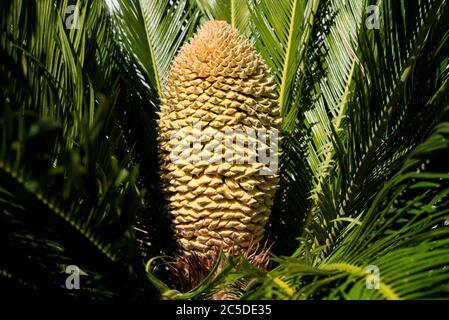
point(405, 227)
point(235, 12)
point(153, 31)
point(335, 61)
point(401, 238)
point(326, 74)
point(375, 139)
point(67, 197)
point(282, 32)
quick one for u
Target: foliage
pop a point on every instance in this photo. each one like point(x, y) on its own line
point(68, 189)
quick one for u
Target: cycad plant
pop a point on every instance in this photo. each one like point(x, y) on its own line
point(361, 208)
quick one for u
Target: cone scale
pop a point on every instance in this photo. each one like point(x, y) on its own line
point(219, 99)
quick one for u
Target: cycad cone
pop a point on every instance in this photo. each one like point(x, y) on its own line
point(219, 81)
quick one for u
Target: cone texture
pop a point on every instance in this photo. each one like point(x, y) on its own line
point(218, 89)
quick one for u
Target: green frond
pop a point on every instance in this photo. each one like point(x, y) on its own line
point(398, 250)
point(283, 31)
point(368, 149)
point(327, 113)
point(235, 12)
point(67, 197)
point(153, 31)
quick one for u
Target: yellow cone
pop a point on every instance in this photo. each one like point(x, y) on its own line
point(219, 92)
